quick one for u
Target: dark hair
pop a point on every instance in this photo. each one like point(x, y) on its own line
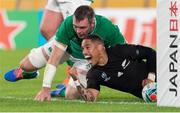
point(84, 11)
point(94, 38)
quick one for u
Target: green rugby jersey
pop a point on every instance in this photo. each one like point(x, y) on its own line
point(104, 28)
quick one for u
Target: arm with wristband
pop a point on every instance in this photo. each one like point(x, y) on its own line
point(50, 70)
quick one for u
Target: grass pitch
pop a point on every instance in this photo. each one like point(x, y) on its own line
point(18, 96)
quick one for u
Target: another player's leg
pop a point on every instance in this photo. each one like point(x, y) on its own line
point(61, 88)
point(59, 92)
point(28, 66)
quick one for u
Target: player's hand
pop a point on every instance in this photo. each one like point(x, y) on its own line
point(43, 95)
point(73, 71)
point(146, 81)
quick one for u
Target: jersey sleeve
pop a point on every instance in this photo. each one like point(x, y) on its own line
point(92, 80)
point(62, 34)
point(137, 52)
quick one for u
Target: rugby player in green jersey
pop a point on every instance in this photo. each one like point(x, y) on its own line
point(69, 38)
point(67, 44)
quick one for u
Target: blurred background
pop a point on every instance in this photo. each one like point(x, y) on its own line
point(20, 21)
point(39, 4)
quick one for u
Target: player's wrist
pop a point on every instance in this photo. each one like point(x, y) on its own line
point(46, 89)
point(49, 74)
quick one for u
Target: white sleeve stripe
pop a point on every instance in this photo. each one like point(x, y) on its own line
point(60, 46)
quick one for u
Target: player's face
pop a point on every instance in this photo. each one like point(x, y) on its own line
point(83, 27)
point(90, 51)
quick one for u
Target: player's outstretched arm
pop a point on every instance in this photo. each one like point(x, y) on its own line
point(50, 70)
point(87, 94)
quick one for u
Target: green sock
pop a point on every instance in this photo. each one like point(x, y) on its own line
point(62, 93)
point(29, 75)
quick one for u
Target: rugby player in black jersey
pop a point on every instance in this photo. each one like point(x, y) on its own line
point(126, 68)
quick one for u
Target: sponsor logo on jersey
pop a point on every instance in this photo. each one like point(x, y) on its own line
point(120, 74)
point(125, 63)
point(105, 77)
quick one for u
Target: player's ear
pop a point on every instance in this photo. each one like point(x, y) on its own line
point(100, 47)
point(93, 22)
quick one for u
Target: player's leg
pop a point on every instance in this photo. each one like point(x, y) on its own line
point(60, 91)
point(52, 18)
point(61, 88)
point(28, 66)
point(81, 66)
point(68, 7)
point(71, 90)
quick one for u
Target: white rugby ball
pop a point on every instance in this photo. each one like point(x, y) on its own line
point(149, 92)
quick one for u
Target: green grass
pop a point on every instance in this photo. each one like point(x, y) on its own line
point(19, 96)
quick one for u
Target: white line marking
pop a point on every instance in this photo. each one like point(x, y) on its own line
point(80, 101)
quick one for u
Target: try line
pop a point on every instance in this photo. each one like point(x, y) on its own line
point(80, 101)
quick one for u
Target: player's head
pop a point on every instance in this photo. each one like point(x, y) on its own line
point(83, 20)
point(94, 50)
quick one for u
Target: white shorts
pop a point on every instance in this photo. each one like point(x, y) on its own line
point(66, 7)
point(37, 58)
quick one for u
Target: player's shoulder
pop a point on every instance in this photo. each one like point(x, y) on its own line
point(102, 19)
point(68, 23)
point(124, 45)
point(69, 19)
point(118, 47)
point(104, 23)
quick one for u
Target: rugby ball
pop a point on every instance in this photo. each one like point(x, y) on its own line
point(149, 92)
point(82, 67)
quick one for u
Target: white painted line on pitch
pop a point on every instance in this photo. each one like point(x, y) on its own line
point(63, 100)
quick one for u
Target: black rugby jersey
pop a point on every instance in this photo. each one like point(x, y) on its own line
point(127, 66)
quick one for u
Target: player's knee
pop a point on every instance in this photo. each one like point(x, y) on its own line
point(43, 30)
point(47, 33)
point(35, 60)
point(71, 93)
point(26, 65)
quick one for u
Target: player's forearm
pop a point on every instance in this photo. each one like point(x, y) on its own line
point(86, 94)
point(50, 69)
